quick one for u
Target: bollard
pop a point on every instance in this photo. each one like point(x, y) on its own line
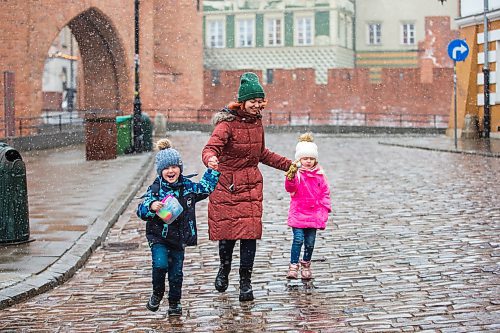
point(14, 214)
point(160, 125)
point(471, 127)
point(100, 135)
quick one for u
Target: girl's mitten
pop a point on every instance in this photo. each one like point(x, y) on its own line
point(292, 170)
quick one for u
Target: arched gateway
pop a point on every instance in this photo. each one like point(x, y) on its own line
point(105, 71)
point(104, 31)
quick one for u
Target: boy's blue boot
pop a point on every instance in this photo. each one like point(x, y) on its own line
point(154, 303)
point(174, 308)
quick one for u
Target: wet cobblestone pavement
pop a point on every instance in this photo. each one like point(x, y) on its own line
point(412, 245)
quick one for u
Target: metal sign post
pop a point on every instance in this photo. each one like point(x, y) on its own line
point(455, 100)
point(458, 50)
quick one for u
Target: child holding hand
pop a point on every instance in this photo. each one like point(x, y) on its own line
point(309, 205)
point(168, 239)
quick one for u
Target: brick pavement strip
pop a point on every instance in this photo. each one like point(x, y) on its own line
point(410, 247)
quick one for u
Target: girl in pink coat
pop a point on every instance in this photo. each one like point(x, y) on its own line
point(309, 204)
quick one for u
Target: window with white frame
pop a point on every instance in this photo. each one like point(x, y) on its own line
point(215, 33)
point(304, 30)
point(408, 34)
point(274, 31)
point(374, 36)
point(246, 27)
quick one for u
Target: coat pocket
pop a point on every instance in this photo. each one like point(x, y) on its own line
point(226, 181)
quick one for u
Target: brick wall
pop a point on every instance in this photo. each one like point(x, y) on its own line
point(294, 97)
point(171, 64)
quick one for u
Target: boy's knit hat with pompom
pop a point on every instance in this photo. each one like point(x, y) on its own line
point(306, 147)
point(166, 156)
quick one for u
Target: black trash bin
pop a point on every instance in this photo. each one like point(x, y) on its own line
point(14, 214)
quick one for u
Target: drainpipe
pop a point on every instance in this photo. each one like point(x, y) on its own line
point(486, 72)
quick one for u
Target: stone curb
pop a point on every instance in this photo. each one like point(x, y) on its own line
point(466, 152)
point(76, 256)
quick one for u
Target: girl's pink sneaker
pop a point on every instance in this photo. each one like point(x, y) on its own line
point(305, 270)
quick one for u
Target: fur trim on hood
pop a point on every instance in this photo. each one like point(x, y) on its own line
point(223, 115)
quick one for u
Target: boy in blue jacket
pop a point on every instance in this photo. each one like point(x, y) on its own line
point(168, 241)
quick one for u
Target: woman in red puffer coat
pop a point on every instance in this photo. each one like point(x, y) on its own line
point(237, 146)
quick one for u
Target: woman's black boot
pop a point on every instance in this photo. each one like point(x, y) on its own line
point(246, 292)
point(222, 279)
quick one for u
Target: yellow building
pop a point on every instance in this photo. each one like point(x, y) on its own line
point(470, 78)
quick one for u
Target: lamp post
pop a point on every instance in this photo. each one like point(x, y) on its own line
point(486, 73)
point(137, 119)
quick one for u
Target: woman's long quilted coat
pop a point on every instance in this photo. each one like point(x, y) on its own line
point(235, 207)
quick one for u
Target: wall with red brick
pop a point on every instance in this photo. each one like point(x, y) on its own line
point(105, 34)
point(178, 55)
point(294, 96)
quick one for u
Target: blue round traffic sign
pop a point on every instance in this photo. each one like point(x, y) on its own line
point(458, 50)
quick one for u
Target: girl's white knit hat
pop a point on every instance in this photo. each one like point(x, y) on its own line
point(306, 147)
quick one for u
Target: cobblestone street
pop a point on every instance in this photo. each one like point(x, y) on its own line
point(412, 245)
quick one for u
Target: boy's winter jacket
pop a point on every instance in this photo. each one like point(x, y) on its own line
point(310, 199)
point(235, 207)
point(182, 232)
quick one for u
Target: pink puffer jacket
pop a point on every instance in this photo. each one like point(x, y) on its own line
point(310, 199)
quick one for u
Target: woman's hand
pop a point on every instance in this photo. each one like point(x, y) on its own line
point(156, 206)
point(213, 162)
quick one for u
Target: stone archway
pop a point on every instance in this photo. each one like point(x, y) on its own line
point(104, 67)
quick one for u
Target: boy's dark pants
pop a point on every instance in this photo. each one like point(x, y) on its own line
point(171, 261)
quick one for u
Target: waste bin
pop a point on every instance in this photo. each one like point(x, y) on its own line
point(124, 134)
point(14, 215)
point(147, 132)
point(100, 134)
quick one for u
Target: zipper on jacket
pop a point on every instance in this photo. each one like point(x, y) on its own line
point(191, 225)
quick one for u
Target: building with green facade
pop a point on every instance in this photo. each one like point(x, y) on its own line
point(278, 34)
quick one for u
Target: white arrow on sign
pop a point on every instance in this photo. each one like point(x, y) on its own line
point(460, 49)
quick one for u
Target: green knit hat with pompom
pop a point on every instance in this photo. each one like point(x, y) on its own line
point(250, 87)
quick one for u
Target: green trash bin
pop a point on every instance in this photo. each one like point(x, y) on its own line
point(123, 134)
point(147, 133)
point(14, 214)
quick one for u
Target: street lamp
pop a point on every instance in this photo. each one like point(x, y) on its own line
point(137, 119)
